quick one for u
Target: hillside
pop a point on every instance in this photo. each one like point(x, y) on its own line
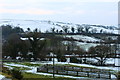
point(44, 25)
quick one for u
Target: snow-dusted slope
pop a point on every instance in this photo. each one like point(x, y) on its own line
point(82, 37)
point(84, 45)
point(32, 24)
point(44, 25)
point(47, 25)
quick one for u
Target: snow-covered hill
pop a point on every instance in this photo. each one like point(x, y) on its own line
point(44, 25)
point(32, 24)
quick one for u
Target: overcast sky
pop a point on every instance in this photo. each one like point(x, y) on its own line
point(103, 12)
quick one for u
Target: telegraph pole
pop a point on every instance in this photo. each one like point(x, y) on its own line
point(53, 67)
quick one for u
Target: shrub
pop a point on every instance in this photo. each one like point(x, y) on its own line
point(118, 75)
point(74, 60)
point(16, 74)
point(6, 70)
point(63, 59)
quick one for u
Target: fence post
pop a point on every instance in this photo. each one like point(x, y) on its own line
point(73, 68)
point(67, 72)
point(37, 69)
point(56, 71)
point(81, 69)
point(77, 73)
point(91, 70)
point(98, 75)
point(64, 67)
point(109, 75)
point(47, 69)
point(87, 74)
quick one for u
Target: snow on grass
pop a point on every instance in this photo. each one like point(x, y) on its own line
point(91, 66)
point(41, 25)
point(83, 45)
point(104, 30)
point(63, 63)
point(66, 76)
point(1, 77)
point(34, 69)
point(82, 37)
point(46, 25)
point(86, 46)
point(12, 65)
point(83, 65)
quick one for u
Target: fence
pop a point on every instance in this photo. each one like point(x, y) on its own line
point(76, 71)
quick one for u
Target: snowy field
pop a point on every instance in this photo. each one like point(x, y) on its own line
point(83, 45)
point(33, 69)
point(44, 25)
point(82, 37)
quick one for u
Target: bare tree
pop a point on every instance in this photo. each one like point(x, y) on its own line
point(34, 39)
point(53, 30)
point(80, 29)
point(72, 29)
point(28, 29)
point(101, 52)
point(94, 30)
point(11, 47)
point(65, 28)
point(87, 29)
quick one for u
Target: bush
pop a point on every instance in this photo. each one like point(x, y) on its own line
point(16, 74)
point(74, 60)
point(6, 70)
point(63, 59)
point(118, 75)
